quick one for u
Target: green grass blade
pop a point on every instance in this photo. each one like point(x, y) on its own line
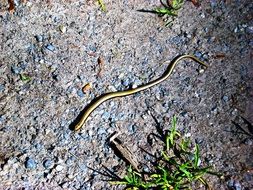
point(102, 5)
point(196, 156)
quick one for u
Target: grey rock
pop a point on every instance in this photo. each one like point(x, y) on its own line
point(125, 82)
point(47, 163)
point(70, 160)
point(83, 168)
point(16, 69)
point(50, 47)
point(59, 168)
point(147, 157)
point(198, 54)
point(184, 114)
point(2, 87)
point(249, 29)
point(199, 140)
point(69, 90)
point(106, 115)
point(38, 146)
point(30, 163)
point(248, 141)
point(214, 110)
point(225, 98)
point(177, 40)
point(132, 129)
point(101, 131)
point(237, 185)
point(92, 48)
point(146, 169)
point(213, 3)
point(39, 38)
point(80, 93)
point(2, 118)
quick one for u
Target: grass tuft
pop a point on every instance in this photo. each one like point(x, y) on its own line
point(177, 167)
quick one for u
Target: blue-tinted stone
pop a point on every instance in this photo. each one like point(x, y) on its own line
point(50, 47)
point(30, 163)
point(47, 163)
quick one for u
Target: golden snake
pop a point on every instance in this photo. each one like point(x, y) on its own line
point(94, 104)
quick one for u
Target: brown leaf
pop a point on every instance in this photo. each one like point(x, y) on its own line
point(11, 6)
point(195, 3)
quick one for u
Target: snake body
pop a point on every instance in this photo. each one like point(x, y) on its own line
point(93, 105)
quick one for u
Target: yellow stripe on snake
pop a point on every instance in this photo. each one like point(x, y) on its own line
point(94, 104)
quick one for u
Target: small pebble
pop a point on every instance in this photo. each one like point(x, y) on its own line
point(59, 168)
point(47, 163)
point(198, 54)
point(184, 114)
point(15, 69)
point(83, 167)
point(225, 98)
point(2, 117)
point(50, 47)
point(30, 163)
point(106, 115)
point(146, 169)
point(38, 146)
point(201, 71)
point(132, 129)
point(199, 140)
point(2, 87)
point(237, 185)
point(248, 141)
point(62, 28)
point(39, 38)
point(134, 86)
point(125, 82)
point(80, 93)
point(101, 131)
point(70, 160)
point(70, 176)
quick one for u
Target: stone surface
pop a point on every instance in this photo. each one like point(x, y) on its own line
point(58, 43)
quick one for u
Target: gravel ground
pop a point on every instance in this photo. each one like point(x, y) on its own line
point(50, 51)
